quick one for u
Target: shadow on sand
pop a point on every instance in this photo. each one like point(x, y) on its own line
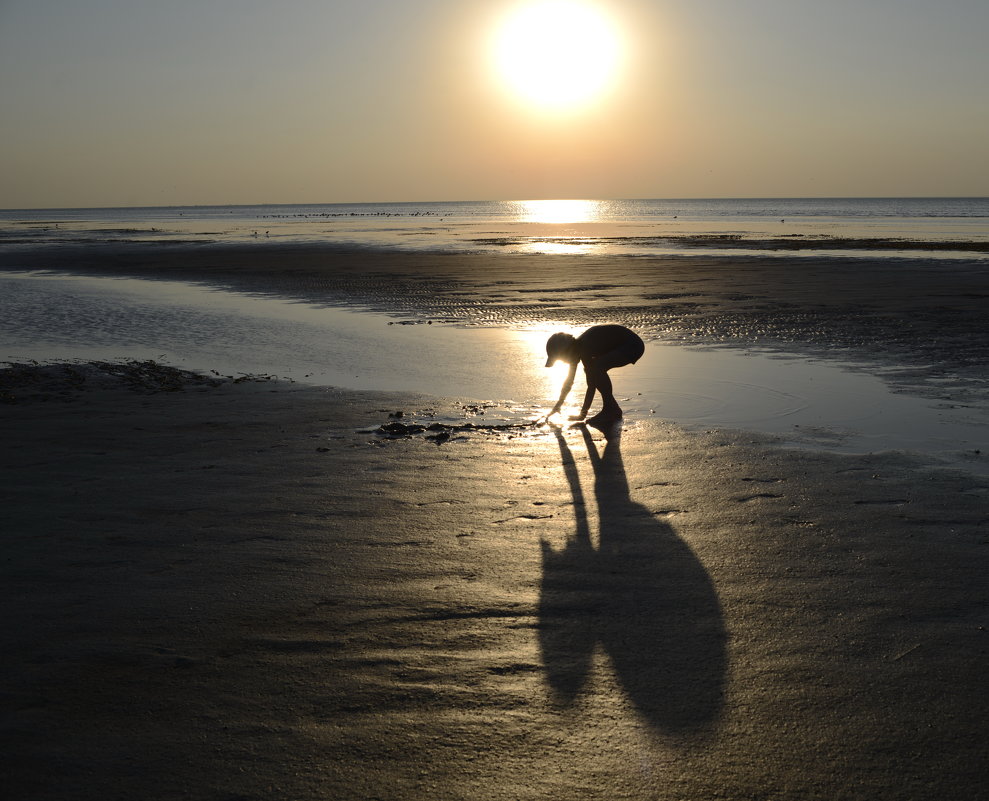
point(642, 594)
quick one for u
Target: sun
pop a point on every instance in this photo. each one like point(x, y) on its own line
point(557, 54)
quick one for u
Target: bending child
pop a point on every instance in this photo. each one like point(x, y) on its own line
point(600, 348)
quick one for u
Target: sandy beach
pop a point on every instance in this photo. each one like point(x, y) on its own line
point(220, 589)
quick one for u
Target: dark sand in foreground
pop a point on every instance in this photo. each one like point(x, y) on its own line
point(239, 591)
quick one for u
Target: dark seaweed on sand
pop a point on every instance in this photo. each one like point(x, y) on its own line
point(21, 381)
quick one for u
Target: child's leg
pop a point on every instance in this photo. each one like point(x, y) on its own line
point(597, 376)
point(601, 381)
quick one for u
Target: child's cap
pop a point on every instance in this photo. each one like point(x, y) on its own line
point(555, 345)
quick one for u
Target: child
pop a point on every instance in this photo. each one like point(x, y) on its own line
point(600, 348)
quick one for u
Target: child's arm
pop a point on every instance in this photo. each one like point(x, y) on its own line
point(585, 407)
point(567, 385)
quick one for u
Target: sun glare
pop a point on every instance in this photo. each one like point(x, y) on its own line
point(551, 378)
point(557, 54)
point(559, 211)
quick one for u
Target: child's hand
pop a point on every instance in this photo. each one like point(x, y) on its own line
point(545, 419)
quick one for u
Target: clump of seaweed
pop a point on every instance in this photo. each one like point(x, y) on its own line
point(442, 432)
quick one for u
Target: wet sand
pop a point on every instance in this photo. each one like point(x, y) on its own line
point(244, 590)
point(925, 316)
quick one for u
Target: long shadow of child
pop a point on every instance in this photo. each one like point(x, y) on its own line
point(642, 594)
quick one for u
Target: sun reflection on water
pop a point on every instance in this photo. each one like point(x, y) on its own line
point(562, 242)
point(559, 211)
point(551, 378)
point(573, 247)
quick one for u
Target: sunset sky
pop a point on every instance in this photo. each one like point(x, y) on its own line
point(133, 102)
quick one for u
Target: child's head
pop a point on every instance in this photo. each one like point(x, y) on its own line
point(559, 346)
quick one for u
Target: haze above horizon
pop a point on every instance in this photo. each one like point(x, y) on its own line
point(111, 103)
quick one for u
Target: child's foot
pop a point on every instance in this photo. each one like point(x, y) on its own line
point(605, 418)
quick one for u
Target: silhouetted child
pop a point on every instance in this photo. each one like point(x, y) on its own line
point(600, 348)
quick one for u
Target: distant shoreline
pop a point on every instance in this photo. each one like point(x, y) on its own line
point(945, 228)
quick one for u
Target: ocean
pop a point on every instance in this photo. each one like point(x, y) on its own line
point(941, 228)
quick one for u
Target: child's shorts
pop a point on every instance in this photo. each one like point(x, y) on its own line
point(628, 353)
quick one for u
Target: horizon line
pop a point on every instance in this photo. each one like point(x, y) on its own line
point(501, 200)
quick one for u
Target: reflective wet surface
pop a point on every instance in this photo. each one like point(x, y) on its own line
point(810, 402)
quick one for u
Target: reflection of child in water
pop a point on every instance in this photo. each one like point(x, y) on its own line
point(600, 348)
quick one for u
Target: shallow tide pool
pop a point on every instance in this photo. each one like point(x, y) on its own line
point(810, 402)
